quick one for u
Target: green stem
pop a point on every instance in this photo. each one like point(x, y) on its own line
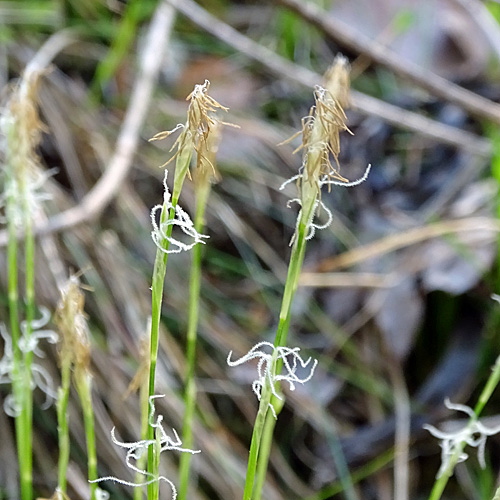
point(138, 492)
point(265, 447)
point(62, 423)
point(486, 393)
point(258, 430)
point(157, 298)
point(83, 385)
point(17, 373)
point(292, 281)
point(27, 410)
point(159, 270)
point(202, 193)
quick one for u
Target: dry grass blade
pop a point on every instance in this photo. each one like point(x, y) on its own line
point(407, 238)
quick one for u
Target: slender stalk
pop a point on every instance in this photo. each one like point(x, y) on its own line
point(319, 140)
point(156, 463)
point(141, 463)
point(265, 448)
point(83, 385)
point(202, 193)
point(62, 422)
point(27, 410)
point(258, 430)
point(486, 393)
point(194, 136)
point(20, 375)
point(159, 270)
point(296, 260)
point(17, 372)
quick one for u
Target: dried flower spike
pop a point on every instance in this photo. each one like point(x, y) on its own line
point(196, 131)
point(20, 133)
point(265, 368)
point(452, 443)
point(320, 142)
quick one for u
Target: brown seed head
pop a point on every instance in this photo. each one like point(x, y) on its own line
point(337, 80)
point(201, 121)
point(71, 320)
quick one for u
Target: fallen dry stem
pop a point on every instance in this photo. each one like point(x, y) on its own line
point(381, 54)
point(407, 238)
point(120, 163)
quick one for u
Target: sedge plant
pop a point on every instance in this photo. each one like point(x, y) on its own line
point(195, 139)
point(74, 357)
point(194, 136)
point(474, 434)
point(22, 178)
point(202, 178)
point(320, 143)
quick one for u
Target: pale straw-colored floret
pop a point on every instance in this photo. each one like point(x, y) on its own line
point(136, 449)
point(474, 434)
point(318, 204)
point(181, 220)
point(40, 377)
point(320, 142)
point(200, 122)
point(20, 133)
point(265, 367)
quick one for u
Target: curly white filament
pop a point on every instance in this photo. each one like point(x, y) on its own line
point(265, 369)
point(311, 226)
point(473, 434)
point(160, 233)
point(136, 449)
point(40, 377)
point(323, 181)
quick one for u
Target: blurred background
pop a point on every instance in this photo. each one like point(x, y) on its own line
point(395, 297)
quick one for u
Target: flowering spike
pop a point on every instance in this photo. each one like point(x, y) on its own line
point(473, 434)
point(320, 143)
point(196, 132)
point(136, 449)
point(265, 367)
point(41, 378)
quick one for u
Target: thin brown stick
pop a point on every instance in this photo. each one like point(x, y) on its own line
point(484, 20)
point(358, 42)
point(402, 413)
point(348, 280)
point(109, 184)
point(407, 238)
point(120, 163)
point(360, 102)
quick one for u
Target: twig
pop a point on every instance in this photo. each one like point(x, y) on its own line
point(111, 181)
point(407, 238)
point(402, 413)
point(348, 280)
point(484, 20)
point(358, 42)
point(360, 102)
